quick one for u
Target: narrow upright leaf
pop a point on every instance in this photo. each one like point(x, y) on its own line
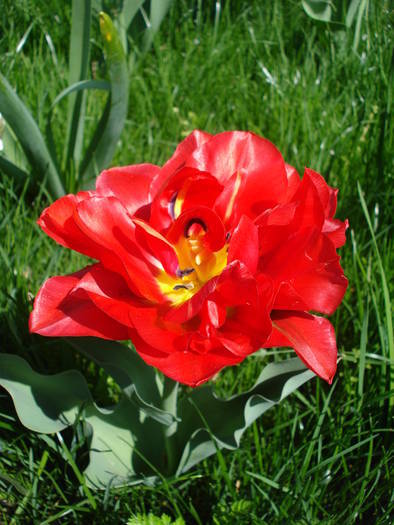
point(26, 130)
point(78, 68)
point(108, 132)
point(158, 10)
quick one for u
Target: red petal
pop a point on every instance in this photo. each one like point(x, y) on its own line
point(186, 188)
point(58, 313)
point(335, 230)
point(178, 160)
point(108, 291)
point(129, 184)
point(327, 195)
point(107, 223)
point(311, 278)
point(259, 162)
point(187, 367)
point(244, 244)
point(313, 339)
point(293, 180)
point(310, 211)
point(58, 222)
point(214, 237)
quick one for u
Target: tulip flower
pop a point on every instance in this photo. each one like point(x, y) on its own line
point(201, 262)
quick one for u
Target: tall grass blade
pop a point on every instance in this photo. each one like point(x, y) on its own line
point(102, 147)
point(386, 293)
point(78, 68)
point(126, 16)
point(158, 10)
point(26, 130)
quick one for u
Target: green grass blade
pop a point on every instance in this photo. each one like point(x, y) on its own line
point(26, 130)
point(13, 171)
point(126, 16)
point(158, 10)
point(386, 293)
point(78, 68)
point(102, 147)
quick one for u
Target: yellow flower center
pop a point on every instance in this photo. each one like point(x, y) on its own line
point(197, 265)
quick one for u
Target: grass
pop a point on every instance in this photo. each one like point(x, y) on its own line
point(324, 455)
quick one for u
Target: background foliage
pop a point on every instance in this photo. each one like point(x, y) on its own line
point(325, 454)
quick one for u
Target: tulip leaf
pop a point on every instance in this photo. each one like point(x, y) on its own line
point(136, 379)
point(158, 10)
point(28, 134)
point(78, 68)
point(126, 446)
point(44, 403)
point(105, 139)
point(226, 420)
point(318, 9)
point(10, 169)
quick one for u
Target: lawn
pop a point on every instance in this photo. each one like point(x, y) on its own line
point(322, 93)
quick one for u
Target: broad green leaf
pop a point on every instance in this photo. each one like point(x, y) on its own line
point(158, 10)
point(78, 69)
point(10, 169)
point(135, 378)
point(318, 9)
point(27, 132)
point(44, 403)
point(227, 419)
point(106, 137)
point(126, 446)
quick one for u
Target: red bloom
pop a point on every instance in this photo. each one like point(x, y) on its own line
point(222, 251)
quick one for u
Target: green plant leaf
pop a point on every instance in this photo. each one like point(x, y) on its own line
point(225, 420)
point(318, 9)
point(129, 10)
point(78, 68)
point(158, 10)
point(28, 134)
point(137, 380)
point(44, 403)
point(126, 446)
point(12, 170)
point(109, 129)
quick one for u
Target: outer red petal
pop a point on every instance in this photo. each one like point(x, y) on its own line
point(178, 160)
point(335, 230)
point(293, 180)
point(313, 339)
point(311, 278)
point(106, 222)
point(130, 184)
point(244, 244)
point(58, 222)
point(57, 312)
point(262, 169)
point(189, 368)
point(327, 195)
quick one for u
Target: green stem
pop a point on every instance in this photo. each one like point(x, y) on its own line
point(169, 404)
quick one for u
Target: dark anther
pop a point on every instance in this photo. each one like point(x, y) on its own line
point(183, 286)
point(182, 273)
point(196, 220)
point(171, 205)
point(228, 235)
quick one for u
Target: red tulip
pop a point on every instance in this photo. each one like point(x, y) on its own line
point(222, 251)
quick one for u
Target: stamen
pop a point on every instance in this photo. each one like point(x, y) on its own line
point(171, 205)
point(188, 286)
point(186, 271)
